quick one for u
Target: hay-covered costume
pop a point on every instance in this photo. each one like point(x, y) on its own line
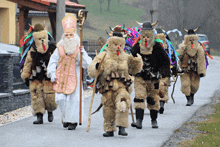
point(192, 62)
point(165, 82)
point(34, 70)
point(64, 70)
point(146, 83)
point(114, 82)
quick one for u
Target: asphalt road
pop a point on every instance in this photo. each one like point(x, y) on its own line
point(23, 133)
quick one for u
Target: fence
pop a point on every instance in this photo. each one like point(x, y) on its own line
point(13, 92)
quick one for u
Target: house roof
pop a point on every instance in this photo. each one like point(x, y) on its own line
point(68, 3)
point(34, 13)
point(46, 5)
point(51, 2)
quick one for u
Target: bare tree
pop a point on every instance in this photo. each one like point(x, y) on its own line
point(108, 5)
point(192, 14)
point(100, 2)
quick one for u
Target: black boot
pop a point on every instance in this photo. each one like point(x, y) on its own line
point(122, 131)
point(50, 116)
point(189, 100)
point(39, 119)
point(108, 134)
point(153, 115)
point(161, 107)
point(72, 126)
point(66, 124)
point(192, 96)
point(139, 118)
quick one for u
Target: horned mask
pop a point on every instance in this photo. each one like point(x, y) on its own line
point(191, 41)
point(116, 42)
point(147, 37)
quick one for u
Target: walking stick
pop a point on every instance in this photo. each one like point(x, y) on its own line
point(93, 94)
point(81, 16)
point(173, 90)
point(132, 114)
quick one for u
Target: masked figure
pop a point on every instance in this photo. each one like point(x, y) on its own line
point(35, 71)
point(165, 82)
point(192, 62)
point(114, 82)
point(64, 71)
point(155, 64)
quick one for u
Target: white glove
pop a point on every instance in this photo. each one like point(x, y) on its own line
point(53, 78)
point(121, 106)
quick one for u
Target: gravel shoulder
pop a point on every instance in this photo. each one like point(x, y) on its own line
point(26, 111)
point(187, 131)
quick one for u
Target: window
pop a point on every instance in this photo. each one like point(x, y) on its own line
point(202, 38)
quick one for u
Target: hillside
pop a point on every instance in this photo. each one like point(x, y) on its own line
point(97, 23)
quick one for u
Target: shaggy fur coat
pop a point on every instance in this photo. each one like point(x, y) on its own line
point(192, 62)
point(114, 82)
point(165, 82)
point(146, 85)
point(35, 68)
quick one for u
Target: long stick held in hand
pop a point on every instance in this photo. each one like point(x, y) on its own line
point(81, 16)
point(93, 93)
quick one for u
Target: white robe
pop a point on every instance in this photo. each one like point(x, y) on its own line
point(69, 104)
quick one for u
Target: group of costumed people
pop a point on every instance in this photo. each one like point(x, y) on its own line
point(143, 57)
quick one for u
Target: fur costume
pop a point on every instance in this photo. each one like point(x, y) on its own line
point(42, 93)
point(192, 61)
point(114, 82)
point(146, 83)
point(165, 82)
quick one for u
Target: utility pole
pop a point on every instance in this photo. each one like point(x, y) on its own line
point(61, 9)
point(151, 14)
point(154, 16)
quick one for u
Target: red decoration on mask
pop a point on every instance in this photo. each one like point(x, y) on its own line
point(145, 43)
point(191, 44)
point(44, 48)
point(117, 52)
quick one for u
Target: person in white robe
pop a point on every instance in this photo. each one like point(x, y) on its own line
point(68, 101)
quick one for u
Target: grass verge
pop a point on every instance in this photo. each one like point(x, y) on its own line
point(210, 129)
point(119, 13)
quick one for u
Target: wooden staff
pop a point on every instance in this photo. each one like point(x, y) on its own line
point(132, 114)
point(93, 94)
point(173, 90)
point(81, 16)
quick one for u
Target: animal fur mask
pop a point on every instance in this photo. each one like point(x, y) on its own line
point(162, 36)
point(147, 42)
point(147, 37)
point(40, 38)
point(116, 45)
point(191, 42)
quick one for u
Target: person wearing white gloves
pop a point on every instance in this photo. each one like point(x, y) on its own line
point(64, 71)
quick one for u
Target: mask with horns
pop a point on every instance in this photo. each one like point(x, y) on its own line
point(147, 37)
point(191, 31)
point(117, 31)
point(191, 41)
